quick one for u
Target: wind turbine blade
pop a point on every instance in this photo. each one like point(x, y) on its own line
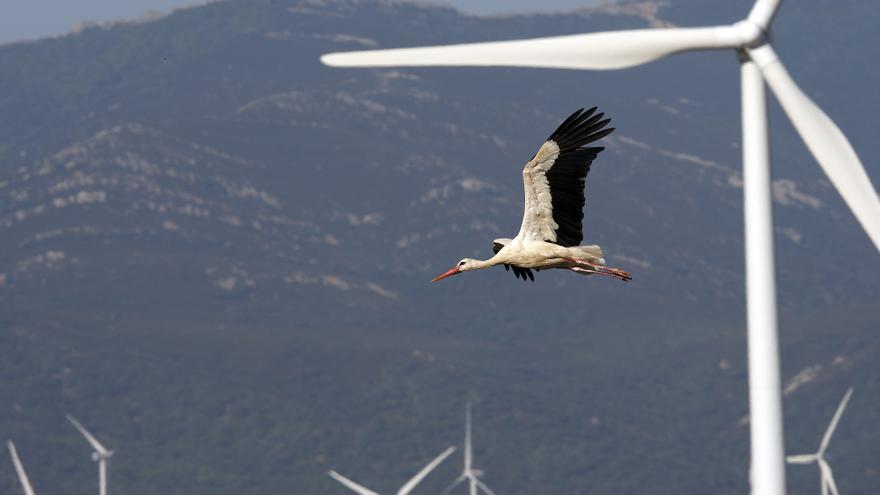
point(605, 50)
point(468, 453)
point(826, 142)
point(801, 459)
point(453, 485)
point(483, 486)
point(22, 476)
point(92, 440)
point(351, 484)
point(763, 11)
point(411, 484)
point(834, 420)
point(828, 476)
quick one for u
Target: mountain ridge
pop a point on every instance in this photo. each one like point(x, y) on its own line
point(217, 252)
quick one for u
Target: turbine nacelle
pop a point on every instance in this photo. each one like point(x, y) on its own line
point(99, 456)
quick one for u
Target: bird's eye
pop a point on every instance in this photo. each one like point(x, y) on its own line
point(461, 263)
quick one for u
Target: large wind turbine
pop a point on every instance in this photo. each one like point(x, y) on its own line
point(749, 37)
point(826, 476)
point(99, 455)
point(408, 487)
point(22, 476)
point(470, 474)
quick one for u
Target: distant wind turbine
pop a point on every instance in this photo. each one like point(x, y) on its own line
point(826, 476)
point(99, 455)
point(408, 487)
point(22, 476)
point(750, 38)
point(469, 474)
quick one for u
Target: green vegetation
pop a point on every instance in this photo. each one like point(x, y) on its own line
point(292, 330)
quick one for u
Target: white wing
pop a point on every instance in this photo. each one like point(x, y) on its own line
point(537, 222)
point(22, 476)
point(411, 484)
point(351, 484)
point(92, 440)
point(553, 181)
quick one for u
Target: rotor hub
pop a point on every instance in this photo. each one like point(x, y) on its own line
point(751, 34)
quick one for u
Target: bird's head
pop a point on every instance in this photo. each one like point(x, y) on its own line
point(462, 266)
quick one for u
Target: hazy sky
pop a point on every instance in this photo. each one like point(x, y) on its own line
point(28, 19)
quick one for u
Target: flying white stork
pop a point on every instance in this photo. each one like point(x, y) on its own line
point(551, 231)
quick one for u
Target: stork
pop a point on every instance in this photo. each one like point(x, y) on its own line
point(551, 231)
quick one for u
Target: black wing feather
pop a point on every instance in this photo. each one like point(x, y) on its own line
point(567, 176)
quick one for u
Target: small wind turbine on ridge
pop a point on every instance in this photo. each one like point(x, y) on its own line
point(826, 476)
point(469, 474)
point(750, 39)
point(408, 487)
point(22, 476)
point(99, 455)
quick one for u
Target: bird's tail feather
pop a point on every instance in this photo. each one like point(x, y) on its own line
point(592, 253)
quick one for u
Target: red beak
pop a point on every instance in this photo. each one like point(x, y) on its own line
point(452, 271)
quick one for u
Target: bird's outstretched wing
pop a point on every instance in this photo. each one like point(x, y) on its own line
point(554, 180)
point(523, 273)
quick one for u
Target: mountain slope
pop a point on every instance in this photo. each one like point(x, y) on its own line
point(216, 251)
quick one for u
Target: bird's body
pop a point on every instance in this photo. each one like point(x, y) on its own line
point(551, 230)
point(540, 255)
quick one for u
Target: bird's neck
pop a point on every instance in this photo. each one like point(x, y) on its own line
point(483, 264)
point(496, 260)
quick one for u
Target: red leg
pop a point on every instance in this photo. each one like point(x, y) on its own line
point(588, 271)
point(613, 272)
